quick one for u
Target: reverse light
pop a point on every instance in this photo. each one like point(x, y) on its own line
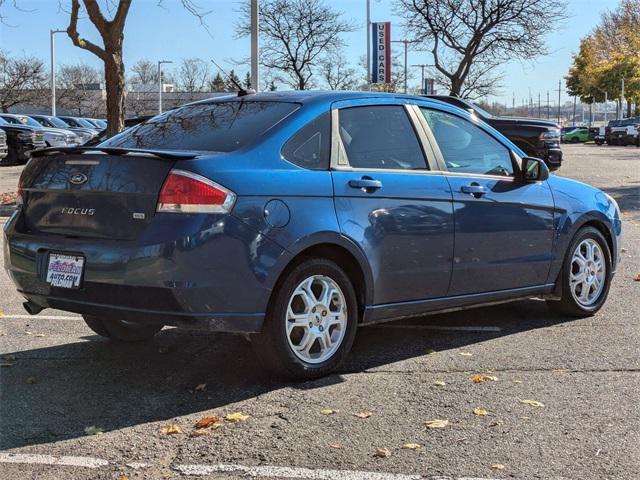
point(187, 192)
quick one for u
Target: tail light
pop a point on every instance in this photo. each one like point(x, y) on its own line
point(187, 192)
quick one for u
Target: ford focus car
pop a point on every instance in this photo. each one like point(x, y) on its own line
point(298, 217)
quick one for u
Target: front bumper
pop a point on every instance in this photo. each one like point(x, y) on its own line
point(211, 276)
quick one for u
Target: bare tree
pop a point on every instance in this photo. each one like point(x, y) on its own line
point(336, 71)
point(484, 79)
point(193, 74)
point(77, 89)
point(22, 80)
point(144, 72)
point(460, 33)
point(294, 36)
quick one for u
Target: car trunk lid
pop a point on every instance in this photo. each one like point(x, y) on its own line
point(94, 192)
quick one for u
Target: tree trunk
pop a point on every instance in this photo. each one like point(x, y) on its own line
point(456, 86)
point(301, 83)
point(114, 79)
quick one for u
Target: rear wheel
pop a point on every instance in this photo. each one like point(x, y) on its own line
point(312, 321)
point(585, 275)
point(121, 330)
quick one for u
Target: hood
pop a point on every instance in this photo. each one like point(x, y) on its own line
point(538, 122)
point(18, 128)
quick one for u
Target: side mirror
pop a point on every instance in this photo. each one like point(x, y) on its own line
point(534, 170)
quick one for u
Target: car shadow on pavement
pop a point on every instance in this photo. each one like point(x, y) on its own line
point(628, 197)
point(52, 394)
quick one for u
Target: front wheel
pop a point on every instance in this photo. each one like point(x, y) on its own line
point(121, 330)
point(585, 275)
point(312, 321)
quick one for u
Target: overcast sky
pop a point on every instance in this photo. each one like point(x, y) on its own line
point(172, 33)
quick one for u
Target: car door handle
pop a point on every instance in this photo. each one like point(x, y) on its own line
point(476, 190)
point(367, 184)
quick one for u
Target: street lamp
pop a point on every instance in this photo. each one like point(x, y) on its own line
point(406, 66)
point(53, 71)
point(160, 62)
point(422, 67)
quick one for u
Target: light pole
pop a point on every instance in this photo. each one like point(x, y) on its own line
point(255, 22)
point(422, 67)
point(53, 71)
point(160, 62)
point(369, 44)
point(406, 48)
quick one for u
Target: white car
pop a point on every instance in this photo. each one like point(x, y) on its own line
point(54, 137)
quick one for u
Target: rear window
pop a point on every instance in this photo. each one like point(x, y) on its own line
point(219, 127)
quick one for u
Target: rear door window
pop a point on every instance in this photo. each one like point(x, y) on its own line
point(380, 137)
point(310, 147)
point(215, 126)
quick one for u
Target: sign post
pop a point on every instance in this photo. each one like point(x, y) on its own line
point(381, 64)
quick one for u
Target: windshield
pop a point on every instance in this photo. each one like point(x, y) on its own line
point(481, 111)
point(56, 122)
point(219, 127)
point(84, 123)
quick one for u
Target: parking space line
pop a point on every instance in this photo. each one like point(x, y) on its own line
point(36, 459)
point(41, 317)
point(248, 471)
point(439, 327)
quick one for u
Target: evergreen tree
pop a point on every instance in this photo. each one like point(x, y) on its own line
point(218, 84)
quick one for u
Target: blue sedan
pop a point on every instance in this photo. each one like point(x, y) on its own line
point(300, 216)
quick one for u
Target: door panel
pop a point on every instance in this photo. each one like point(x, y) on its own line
point(405, 228)
point(503, 237)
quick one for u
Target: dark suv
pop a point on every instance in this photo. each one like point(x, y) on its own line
point(537, 138)
point(21, 139)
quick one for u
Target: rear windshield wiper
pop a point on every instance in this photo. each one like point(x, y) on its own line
point(115, 151)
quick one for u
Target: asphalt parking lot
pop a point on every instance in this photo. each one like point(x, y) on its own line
point(75, 406)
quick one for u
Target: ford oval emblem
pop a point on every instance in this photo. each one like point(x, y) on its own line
point(78, 178)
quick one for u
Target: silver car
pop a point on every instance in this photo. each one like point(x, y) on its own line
point(54, 137)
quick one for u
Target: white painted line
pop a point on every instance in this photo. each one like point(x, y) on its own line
point(86, 462)
point(41, 317)
point(202, 470)
point(291, 472)
point(438, 327)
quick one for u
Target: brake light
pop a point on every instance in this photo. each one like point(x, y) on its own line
point(187, 192)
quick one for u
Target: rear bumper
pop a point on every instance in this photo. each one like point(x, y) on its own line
point(194, 271)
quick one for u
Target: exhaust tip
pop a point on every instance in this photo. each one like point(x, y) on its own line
point(32, 308)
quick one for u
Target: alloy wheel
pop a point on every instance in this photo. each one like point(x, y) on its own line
point(316, 319)
point(588, 272)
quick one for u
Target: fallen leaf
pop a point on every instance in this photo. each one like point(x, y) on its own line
point(363, 414)
point(207, 422)
point(495, 424)
point(498, 466)
point(492, 378)
point(201, 387)
point(466, 354)
point(637, 278)
point(517, 381)
point(439, 383)
point(123, 477)
point(235, 417)
point(93, 430)
point(479, 411)
point(430, 351)
point(328, 411)
point(478, 378)
point(31, 380)
point(200, 432)
point(335, 445)
point(410, 446)
point(382, 453)
point(27, 333)
point(39, 335)
point(533, 403)
point(172, 429)
point(436, 423)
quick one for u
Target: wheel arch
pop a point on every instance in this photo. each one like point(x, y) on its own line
point(339, 249)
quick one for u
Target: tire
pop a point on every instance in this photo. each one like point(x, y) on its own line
point(121, 330)
point(571, 302)
point(575, 140)
point(338, 319)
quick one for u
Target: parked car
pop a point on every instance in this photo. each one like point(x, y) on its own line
point(299, 216)
point(81, 127)
point(4, 148)
point(537, 138)
point(21, 140)
point(53, 137)
point(49, 121)
point(576, 135)
point(616, 131)
point(97, 123)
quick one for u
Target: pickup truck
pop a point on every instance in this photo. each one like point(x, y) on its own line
point(622, 132)
point(4, 149)
point(21, 139)
point(537, 138)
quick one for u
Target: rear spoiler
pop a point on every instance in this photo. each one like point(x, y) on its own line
point(114, 151)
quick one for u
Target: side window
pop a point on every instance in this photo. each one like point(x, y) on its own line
point(466, 147)
point(310, 146)
point(380, 137)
